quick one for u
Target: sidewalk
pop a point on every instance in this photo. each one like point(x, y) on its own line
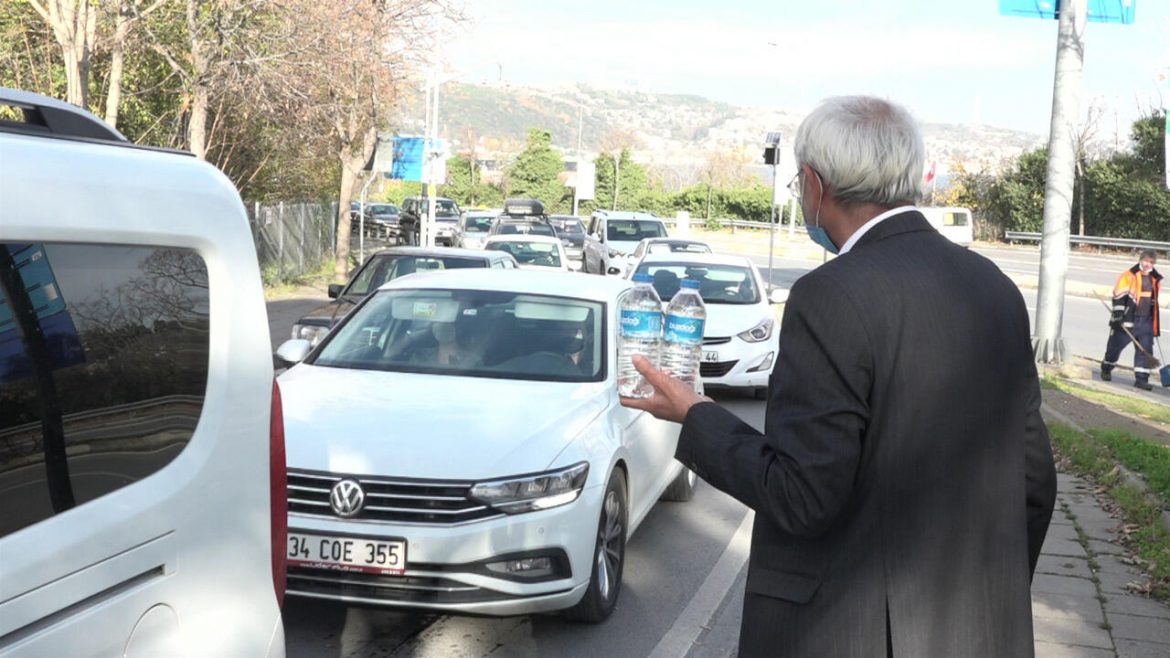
point(1082, 602)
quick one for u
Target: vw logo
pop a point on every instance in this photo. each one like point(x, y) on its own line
point(347, 498)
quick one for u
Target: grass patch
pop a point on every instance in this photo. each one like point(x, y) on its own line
point(275, 287)
point(1095, 456)
point(1127, 404)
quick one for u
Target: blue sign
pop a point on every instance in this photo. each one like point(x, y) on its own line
point(55, 321)
point(1099, 11)
point(409, 156)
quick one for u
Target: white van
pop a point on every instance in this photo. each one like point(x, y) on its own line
point(142, 475)
point(954, 223)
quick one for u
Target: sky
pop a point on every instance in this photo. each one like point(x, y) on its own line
point(948, 61)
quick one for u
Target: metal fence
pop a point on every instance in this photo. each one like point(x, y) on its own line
point(292, 238)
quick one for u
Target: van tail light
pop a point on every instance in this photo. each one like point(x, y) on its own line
point(278, 495)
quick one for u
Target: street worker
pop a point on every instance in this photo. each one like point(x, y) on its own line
point(904, 482)
point(1134, 319)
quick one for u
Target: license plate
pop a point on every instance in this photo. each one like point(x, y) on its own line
point(710, 357)
point(384, 557)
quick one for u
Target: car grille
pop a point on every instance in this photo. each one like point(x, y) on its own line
point(397, 500)
point(716, 341)
point(716, 369)
point(320, 583)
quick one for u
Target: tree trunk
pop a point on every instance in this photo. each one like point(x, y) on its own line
point(117, 64)
point(351, 166)
point(348, 178)
point(197, 125)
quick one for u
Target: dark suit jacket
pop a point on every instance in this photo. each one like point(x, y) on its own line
point(905, 479)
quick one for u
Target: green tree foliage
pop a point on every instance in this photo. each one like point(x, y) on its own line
point(1016, 201)
point(634, 191)
point(465, 186)
point(535, 174)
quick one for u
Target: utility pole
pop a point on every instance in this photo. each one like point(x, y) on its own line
point(1047, 343)
point(580, 125)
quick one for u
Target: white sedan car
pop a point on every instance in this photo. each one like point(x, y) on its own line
point(740, 340)
point(457, 444)
point(532, 252)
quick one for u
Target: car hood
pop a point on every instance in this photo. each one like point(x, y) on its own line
point(623, 246)
point(330, 313)
point(428, 426)
point(730, 319)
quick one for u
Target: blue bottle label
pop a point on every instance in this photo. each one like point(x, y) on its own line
point(684, 330)
point(641, 324)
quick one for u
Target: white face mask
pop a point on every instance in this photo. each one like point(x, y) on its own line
point(1145, 266)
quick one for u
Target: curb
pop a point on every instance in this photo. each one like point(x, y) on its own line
point(1127, 476)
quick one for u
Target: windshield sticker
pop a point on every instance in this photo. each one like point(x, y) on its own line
point(425, 309)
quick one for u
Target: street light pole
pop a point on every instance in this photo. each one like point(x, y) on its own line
point(772, 152)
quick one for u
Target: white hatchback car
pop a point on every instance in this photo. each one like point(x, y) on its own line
point(739, 339)
point(532, 252)
point(457, 444)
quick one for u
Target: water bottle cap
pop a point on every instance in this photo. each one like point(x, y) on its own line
point(643, 278)
point(690, 283)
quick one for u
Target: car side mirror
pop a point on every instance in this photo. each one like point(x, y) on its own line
point(294, 350)
point(335, 290)
point(778, 295)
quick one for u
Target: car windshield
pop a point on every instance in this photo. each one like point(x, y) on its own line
point(718, 284)
point(472, 333)
point(444, 207)
point(477, 224)
point(679, 247)
point(382, 208)
point(530, 253)
point(534, 228)
point(381, 269)
point(633, 230)
point(571, 227)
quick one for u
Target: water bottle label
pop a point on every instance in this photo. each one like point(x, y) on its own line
point(684, 330)
point(641, 324)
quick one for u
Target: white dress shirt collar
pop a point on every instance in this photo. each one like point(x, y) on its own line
point(870, 224)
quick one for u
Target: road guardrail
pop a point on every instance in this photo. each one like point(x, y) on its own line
point(1095, 241)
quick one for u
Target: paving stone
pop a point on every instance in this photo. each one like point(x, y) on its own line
point(1110, 564)
point(1058, 518)
point(1100, 547)
point(1112, 583)
point(1136, 649)
point(1104, 531)
point(1064, 606)
point(1053, 650)
point(1063, 547)
point(1066, 532)
point(1075, 632)
point(1135, 604)
point(1090, 512)
point(1064, 566)
point(1065, 585)
point(1145, 629)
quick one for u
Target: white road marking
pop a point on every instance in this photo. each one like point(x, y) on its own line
point(681, 637)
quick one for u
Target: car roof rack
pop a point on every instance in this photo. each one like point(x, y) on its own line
point(41, 115)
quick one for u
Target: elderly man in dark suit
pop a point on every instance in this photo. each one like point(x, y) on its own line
point(904, 481)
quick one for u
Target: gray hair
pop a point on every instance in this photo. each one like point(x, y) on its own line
point(866, 150)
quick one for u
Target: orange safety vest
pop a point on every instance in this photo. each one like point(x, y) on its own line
point(1128, 291)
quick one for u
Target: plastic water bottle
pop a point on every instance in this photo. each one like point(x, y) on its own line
point(682, 344)
point(641, 333)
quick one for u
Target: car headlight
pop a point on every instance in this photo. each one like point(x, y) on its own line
point(760, 332)
point(310, 332)
point(533, 492)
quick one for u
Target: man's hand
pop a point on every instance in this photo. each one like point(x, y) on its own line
point(672, 398)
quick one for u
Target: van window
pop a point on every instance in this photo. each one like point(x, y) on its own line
point(954, 219)
point(109, 387)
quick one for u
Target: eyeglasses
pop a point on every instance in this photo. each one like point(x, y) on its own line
point(794, 185)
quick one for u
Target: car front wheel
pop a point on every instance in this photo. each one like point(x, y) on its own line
point(609, 556)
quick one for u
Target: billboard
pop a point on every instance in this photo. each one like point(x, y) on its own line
point(1099, 11)
point(585, 180)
